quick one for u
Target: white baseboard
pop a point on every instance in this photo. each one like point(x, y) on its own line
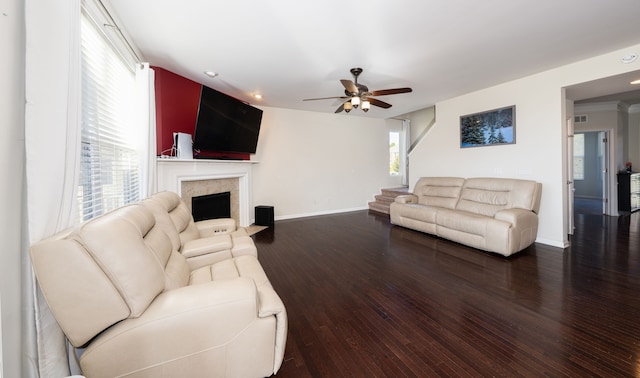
point(326, 212)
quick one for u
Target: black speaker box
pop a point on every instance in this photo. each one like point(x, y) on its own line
point(264, 215)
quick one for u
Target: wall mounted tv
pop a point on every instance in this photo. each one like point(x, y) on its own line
point(225, 124)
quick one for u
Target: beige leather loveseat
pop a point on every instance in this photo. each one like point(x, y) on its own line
point(201, 243)
point(119, 288)
point(492, 214)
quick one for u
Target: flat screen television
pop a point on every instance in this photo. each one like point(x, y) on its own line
point(225, 124)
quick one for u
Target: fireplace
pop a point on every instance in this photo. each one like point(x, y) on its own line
point(211, 206)
point(192, 178)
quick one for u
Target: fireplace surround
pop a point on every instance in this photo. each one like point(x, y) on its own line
point(191, 178)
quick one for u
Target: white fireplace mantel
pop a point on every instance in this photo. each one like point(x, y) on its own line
point(172, 172)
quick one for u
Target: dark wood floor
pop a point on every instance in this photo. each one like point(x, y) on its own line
point(367, 299)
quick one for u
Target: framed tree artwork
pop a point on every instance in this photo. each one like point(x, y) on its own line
point(490, 128)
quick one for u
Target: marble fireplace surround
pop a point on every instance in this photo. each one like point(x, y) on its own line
point(191, 178)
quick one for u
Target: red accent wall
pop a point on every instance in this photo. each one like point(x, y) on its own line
point(177, 100)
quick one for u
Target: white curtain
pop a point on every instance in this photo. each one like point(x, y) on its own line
point(52, 148)
point(145, 78)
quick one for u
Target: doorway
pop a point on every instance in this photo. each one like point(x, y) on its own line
point(590, 172)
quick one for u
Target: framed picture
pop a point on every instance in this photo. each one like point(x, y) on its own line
point(490, 128)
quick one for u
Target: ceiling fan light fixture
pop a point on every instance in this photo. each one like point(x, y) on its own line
point(347, 106)
point(355, 101)
point(366, 105)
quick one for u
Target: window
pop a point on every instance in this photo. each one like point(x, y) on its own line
point(394, 153)
point(109, 167)
point(578, 157)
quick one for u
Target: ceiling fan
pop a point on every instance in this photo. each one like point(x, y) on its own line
point(356, 94)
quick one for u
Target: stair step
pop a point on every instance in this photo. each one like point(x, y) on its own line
point(384, 199)
point(387, 196)
point(378, 207)
point(394, 192)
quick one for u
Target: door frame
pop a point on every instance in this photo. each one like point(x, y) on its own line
point(570, 185)
point(609, 182)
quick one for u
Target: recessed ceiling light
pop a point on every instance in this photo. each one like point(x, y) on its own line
point(257, 96)
point(211, 73)
point(635, 82)
point(629, 58)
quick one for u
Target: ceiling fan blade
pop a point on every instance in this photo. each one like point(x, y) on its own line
point(349, 86)
point(340, 108)
point(324, 98)
point(384, 92)
point(339, 101)
point(379, 103)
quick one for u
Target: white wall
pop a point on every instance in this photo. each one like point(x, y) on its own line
point(12, 38)
point(420, 120)
point(315, 163)
point(540, 150)
point(606, 116)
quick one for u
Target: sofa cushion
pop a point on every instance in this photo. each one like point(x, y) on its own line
point(417, 212)
point(487, 196)
point(160, 205)
point(176, 272)
point(469, 223)
point(438, 191)
point(80, 295)
point(180, 215)
point(242, 266)
point(476, 231)
point(116, 242)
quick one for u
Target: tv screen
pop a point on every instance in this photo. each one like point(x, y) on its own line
point(225, 124)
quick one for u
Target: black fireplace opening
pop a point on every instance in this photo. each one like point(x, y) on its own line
point(211, 206)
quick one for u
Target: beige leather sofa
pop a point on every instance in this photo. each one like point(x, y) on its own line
point(201, 243)
point(119, 289)
point(492, 214)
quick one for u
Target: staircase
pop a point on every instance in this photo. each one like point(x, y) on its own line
point(383, 200)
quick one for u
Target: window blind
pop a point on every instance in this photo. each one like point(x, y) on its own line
point(109, 171)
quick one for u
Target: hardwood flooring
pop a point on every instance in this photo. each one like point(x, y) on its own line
point(368, 299)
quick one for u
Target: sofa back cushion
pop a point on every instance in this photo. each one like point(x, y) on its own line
point(180, 215)
point(79, 293)
point(487, 196)
point(116, 242)
point(438, 191)
point(160, 205)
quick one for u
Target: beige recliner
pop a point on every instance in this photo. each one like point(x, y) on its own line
point(203, 242)
point(119, 289)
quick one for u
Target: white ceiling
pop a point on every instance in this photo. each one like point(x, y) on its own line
point(288, 50)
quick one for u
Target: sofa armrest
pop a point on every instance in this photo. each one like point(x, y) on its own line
point(211, 227)
point(191, 322)
point(206, 245)
point(407, 198)
point(519, 218)
point(269, 302)
point(271, 305)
